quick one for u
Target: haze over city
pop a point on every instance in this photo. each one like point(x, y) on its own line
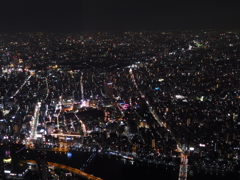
point(95, 15)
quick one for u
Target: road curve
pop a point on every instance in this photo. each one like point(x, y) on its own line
point(71, 169)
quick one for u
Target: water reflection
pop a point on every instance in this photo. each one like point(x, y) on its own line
point(69, 155)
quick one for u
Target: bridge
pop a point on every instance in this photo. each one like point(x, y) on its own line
point(68, 168)
point(183, 167)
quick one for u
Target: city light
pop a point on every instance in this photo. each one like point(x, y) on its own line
point(154, 97)
point(191, 148)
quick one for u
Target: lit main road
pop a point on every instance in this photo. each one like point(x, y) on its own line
point(149, 105)
point(21, 86)
point(152, 111)
point(81, 84)
point(184, 161)
point(73, 170)
point(100, 88)
point(35, 120)
point(58, 107)
point(83, 127)
point(47, 88)
point(69, 135)
point(5, 112)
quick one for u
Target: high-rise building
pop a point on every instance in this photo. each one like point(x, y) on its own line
point(109, 90)
point(153, 143)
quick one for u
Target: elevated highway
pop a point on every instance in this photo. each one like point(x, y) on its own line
point(68, 168)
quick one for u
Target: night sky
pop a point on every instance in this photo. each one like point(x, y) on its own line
point(97, 15)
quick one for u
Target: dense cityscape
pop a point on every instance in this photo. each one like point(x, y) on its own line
point(168, 98)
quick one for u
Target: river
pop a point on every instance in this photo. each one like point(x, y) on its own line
point(116, 168)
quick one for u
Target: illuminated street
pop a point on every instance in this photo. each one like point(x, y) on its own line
point(76, 171)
